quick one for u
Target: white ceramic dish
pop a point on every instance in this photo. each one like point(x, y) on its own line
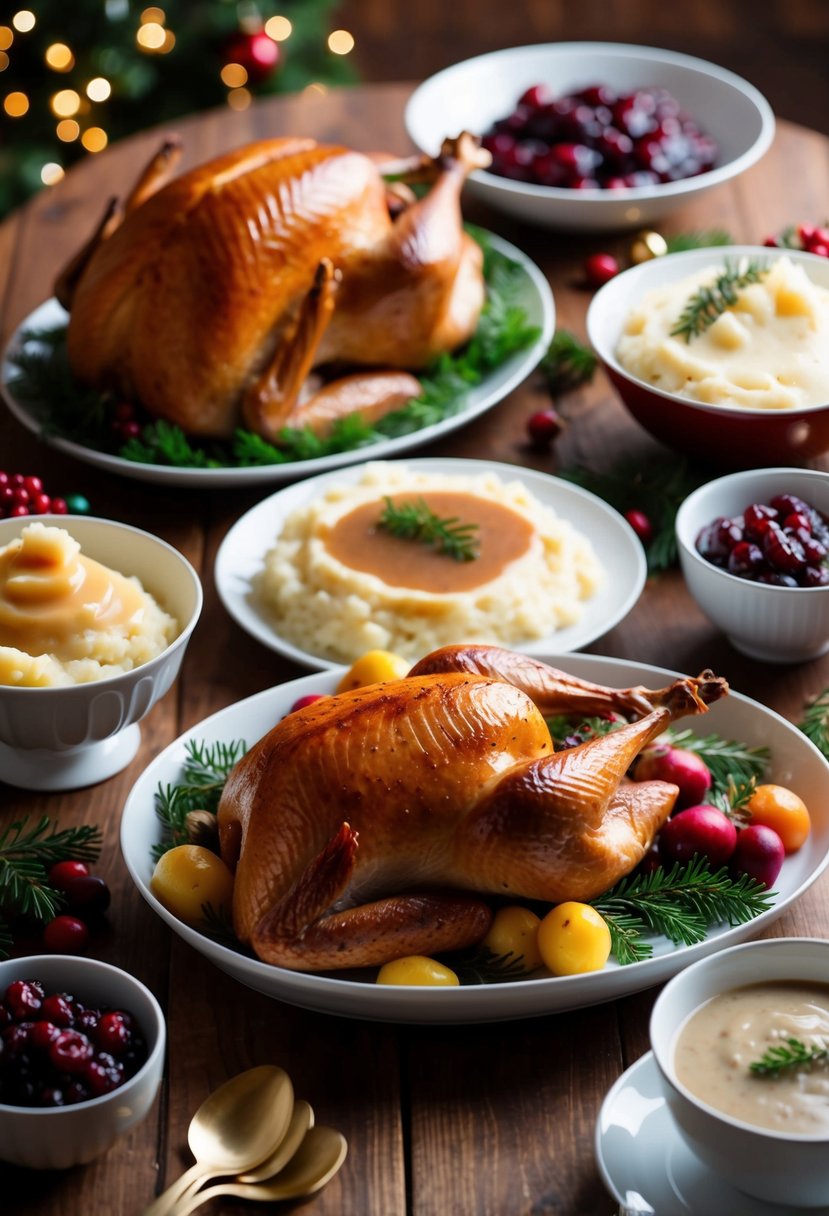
point(241, 554)
point(534, 297)
point(772, 624)
point(58, 1137)
point(64, 738)
point(795, 762)
point(471, 95)
point(645, 1163)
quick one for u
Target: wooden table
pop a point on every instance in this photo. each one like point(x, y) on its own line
point(492, 1120)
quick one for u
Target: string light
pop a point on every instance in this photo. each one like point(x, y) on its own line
point(234, 75)
point(24, 21)
point(239, 99)
point(340, 42)
point(94, 139)
point(59, 57)
point(6, 37)
point(151, 36)
point(153, 16)
point(66, 103)
point(15, 104)
point(51, 173)
point(68, 130)
point(278, 28)
point(98, 89)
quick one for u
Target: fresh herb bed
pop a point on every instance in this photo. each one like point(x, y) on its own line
point(42, 375)
point(680, 903)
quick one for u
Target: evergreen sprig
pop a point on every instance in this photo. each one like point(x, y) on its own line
point(733, 799)
point(204, 772)
point(711, 300)
point(727, 759)
point(701, 239)
point(681, 904)
point(484, 966)
point(815, 721)
point(568, 363)
point(784, 1057)
point(27, 851)
point(417, 521)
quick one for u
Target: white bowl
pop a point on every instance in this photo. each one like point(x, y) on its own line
point(773, 624)
point(731, 436)
point(788, 1169)
point(57, 1137)
point(63, 738)
point(473, 94)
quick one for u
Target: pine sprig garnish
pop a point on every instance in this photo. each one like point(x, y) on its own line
point(568, 363)
point(417, 521)
point(726, 758)
point(709, 302)
point(484, 966)
point(27, 851)
point(657, 487)
point(702, 239)
point(733, 800)
point(783, 1057)
point(203, 775)
point(681, 904)
point(815, 722)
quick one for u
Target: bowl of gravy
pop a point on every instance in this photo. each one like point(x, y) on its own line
point(741, 1041)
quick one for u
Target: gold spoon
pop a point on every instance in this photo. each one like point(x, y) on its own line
point(236, 1127)
point(302, 1119)
point(317, 1160)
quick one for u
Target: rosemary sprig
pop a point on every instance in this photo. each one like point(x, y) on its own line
point(726, 758)
point(417, 521)
point(815, 721)
point(710, 302)
point(568, 363)
point(27, 850)
point(484, 966)
point(204, 773)
point(733, 800)
point(681, 904)
point(701, 239)
point(784, 1056)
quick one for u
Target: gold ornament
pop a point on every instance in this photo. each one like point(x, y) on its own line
point(648, 245)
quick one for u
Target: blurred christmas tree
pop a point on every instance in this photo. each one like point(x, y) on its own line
point(76, 75)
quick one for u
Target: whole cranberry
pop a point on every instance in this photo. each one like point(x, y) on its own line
point(600, 268)
point(23, 998)
point(309, 699)
point(70, 1051)
point(543, 427)
point(745, 559)
point(65, 935)
point(717, 539)
point(641, 525)
point(62, 871)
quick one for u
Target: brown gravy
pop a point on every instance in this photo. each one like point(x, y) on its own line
point(502, 536)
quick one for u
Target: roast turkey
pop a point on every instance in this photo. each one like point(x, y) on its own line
point(210, 299)
point(382, 821)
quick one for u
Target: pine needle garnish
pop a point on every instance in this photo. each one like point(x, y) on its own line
point(484, 966)
point(27, 851)
point(703, 239)
point(568, 363)
point(417, 521)
point(710, 302)
point(217, 925)
point(784, 1057)
point(726, 758)
point(203, 775)
point(733, 800)
point(815, 723)
point(681, 904)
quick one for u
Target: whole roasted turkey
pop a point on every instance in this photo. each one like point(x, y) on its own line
point(210, 298)
point(380, 822)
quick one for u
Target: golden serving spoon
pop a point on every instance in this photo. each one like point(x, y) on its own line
point(302, 1119)
point(237, 1126)
point(317, 1160)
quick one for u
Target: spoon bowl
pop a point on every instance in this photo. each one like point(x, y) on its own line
point(302, 1120)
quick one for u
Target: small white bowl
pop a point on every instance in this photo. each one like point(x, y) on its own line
point(64, 738)
point(57, 1137)
point(792, 1170)
point(773, 624)
point(731, 436)
point(473, 94)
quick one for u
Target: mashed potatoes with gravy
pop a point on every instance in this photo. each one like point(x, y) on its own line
point(66, 619)
point(770, 350)
point(337, 611)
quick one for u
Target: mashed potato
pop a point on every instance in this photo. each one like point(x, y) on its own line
point(768, 351)
point(337, 611)
point(65, 619)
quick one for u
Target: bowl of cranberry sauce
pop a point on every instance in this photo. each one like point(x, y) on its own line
point(754, 550)
point(592, 135)
point(81, 1058)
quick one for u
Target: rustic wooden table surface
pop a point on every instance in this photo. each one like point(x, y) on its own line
point(490, 1120)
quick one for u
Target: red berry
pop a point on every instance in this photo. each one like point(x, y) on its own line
point(23, 998)
point(18, 512)
point(65, 935)
point(59, 506)
point(129, 430)
point(71, 1051)
point(543, 427)
point(63, 870)
point(57, 1009)
point(86, 893)
point(43, 1033)
point(600, 268)
point(41, 504)
point(759, 854)
point(113, 1034)
point(641, 525)
point(699, 829)
point(308, 699)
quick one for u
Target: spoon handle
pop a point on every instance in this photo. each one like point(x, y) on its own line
point(194, 1199)
point(166, 1201)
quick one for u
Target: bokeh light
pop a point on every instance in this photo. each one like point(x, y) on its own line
point(278, 28)
point(51, 173)
point(153, 16)
point(24, 21)
point(234, 75)
point(340, 42)
point(68, 130)
point(98, 89)
point(16, 104)
point(94, 139)
point(59, 57)
point(151, 37)
point(239, 99)
point(6, 37)
point(66, 103)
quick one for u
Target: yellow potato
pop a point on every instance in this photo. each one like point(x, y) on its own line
point(190, 876)
point(372, 668)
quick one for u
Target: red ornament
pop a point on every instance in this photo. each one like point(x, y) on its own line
point(600, 268)
point(641, 525)
point(257, 53)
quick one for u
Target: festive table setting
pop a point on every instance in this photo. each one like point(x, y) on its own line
point(231, 1008)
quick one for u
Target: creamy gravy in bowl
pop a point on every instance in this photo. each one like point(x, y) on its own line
point(715, 1047)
